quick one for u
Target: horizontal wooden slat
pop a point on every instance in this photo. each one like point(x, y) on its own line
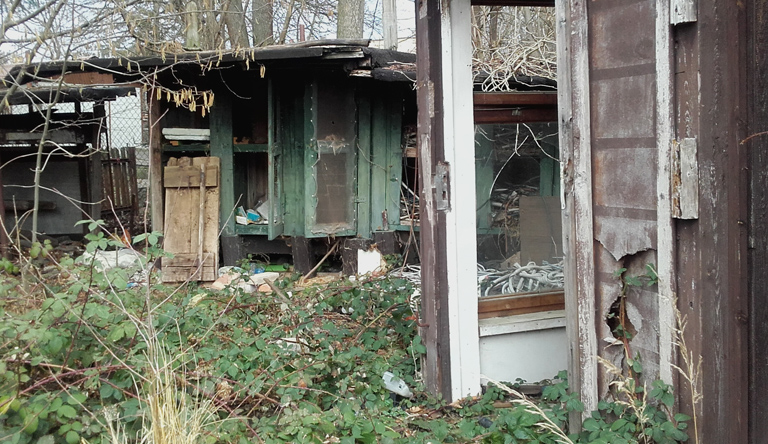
point(548, 3)
point(189, 176)
point(184, 266)
point(181, 274)
point(515, 114)
point(516, 98)
point(186, 260)
point(510, 305)
point(24, 205)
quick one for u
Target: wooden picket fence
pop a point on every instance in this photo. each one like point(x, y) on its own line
point(119, 188)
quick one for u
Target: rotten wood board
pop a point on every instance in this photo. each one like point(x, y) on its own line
point(514, 304)
point(195, 248)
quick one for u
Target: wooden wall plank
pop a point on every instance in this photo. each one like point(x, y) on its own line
point(757, 93)
point(394, 153)
point(434, 286)
point(364, 164)
point(221, 147)
point(712, 288)
point(458, 162)
point(379, 170)
point(156, 161)
point(665, 227)
point(576, 173)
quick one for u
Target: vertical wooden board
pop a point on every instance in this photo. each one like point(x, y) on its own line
point(364, 167)
point(757, 84)
point(483, 174)
point(723, 198)
point(221, 147)
point(379, 159)
point(310, 156)
point(578, 246)
point(211, 217)
point(182, 214)
point(275, 163)
point(293, 127)
point(394, 154)
point(156, 192)
point(437, 374)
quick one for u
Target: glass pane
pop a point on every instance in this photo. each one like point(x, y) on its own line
point(519, 231)
point(332, 189)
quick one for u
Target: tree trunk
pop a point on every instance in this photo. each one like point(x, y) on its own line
point(262, 22)
point(493, 27)
point(389, 24)
point(192, 31)
point(211, 30)
point(350, 24)
point(234, 18)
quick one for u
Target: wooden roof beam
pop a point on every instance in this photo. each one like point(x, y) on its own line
point(550, 3)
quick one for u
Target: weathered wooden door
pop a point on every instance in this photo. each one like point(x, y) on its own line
point(191, 219)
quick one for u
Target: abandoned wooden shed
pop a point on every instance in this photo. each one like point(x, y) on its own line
point(662, 113)
point(310, 137)
point(73, 184)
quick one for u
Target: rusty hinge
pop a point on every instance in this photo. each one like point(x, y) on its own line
point(682, 11)
point(685, 179)
point(442, 187)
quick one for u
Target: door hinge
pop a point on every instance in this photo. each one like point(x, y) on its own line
point(685, 179)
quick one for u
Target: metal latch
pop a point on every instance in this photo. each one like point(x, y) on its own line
point(442, 187)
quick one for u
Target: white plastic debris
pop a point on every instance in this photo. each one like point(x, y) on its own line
point(396, 385)
point(370, 261)
point(107, 260)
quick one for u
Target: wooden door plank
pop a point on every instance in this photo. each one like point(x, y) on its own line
point(193, 221)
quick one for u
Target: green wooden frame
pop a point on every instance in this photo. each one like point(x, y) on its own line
point(311, 158)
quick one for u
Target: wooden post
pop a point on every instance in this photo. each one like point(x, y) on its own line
point(96, 191)
point(3, 236)
point(221, 146)
point(447, 198)
point(576, 176)
point(155, 161)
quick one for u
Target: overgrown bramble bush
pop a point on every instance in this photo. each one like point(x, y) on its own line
point(86, 355)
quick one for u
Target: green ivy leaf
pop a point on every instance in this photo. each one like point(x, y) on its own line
point(72, 437)
point(66, 411)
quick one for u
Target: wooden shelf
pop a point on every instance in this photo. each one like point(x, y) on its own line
point(190, 147)
point(251, 148)
point(252, 229)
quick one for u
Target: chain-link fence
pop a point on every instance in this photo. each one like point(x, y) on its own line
point(126, 118)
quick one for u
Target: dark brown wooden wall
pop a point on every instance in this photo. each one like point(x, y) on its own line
point(757, 156)
point(712, 250)
point(718, 82)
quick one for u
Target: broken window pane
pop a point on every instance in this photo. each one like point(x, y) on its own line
point(519, 234)
point(334, 163)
